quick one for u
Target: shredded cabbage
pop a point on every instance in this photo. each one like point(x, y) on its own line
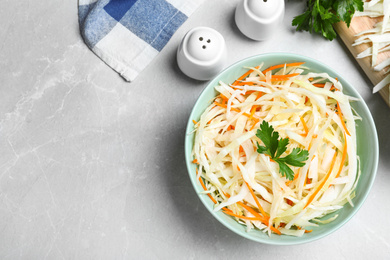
point(378, 37)
point(246, 184)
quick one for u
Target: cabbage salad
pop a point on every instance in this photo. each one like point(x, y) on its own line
point(276, 149)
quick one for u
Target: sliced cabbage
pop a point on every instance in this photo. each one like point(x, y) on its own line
point(225, 147)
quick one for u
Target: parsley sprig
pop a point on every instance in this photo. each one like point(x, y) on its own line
point(320, 15)
point(275, 148)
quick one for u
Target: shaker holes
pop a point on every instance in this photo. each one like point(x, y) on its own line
point(201, 39)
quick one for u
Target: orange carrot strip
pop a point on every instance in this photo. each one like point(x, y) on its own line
point(243, 83)
point(282, 65)
point(195, 161)
point(223, 97)
point(253, 126)
point(256, 200)
point(264, 221)
point(304, 125)
point(225, 106)
point(319, 85)
point(342, 119)
point(204, 187)
point(283, 77)
point(243, 76)
point(255, 213)
point(253, 110)
point(323, 182)
point(343, 157)
point(241, 216)
point(236, 110)
point(259, 95)
point(193, 121)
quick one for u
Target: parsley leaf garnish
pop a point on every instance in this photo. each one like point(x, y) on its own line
point(275, 148)
point(320, 15)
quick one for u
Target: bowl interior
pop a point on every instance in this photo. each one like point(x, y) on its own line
point(367, 148)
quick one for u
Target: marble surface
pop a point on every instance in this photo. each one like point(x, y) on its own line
point(92, 167)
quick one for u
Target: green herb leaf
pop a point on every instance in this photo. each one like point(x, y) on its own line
point(285, 171)
point(347, 8)
point(270, 139)
point(320, 15)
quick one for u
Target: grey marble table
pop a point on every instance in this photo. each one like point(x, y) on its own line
point(92, 167)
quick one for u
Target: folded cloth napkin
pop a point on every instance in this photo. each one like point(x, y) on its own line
point(128, 34)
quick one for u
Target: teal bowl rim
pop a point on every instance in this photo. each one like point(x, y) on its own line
point(283, 239)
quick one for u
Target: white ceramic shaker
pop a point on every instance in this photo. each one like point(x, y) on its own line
point(259, 19)
point(202, 53)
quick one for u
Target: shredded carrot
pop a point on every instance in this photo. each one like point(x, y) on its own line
point(283, 77)
point(195, 123)
point(223, 97)
point(253, 110)
point(195, 161)
point(282, 65)
point(256, 200)
point(311, 198)
point(264, 220)
point(253, 126)
point(322, 85)
point(250, 92)
point(252, 211)
point(343, 157)
point(237, 110)
point(257, 217)
point(259, 95)
point(241, 216)
point(230, 127)
point(266, 70)
point(342, 119)
point(243, 83)
point(225, 106)
point(304, 125)
point(204, 187)
point(308, 231)
point(243, 76)
point(319, 85)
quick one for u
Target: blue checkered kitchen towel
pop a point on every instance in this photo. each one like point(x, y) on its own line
point(128, 34)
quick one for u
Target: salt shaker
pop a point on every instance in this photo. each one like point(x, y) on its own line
point(259, 19)
point(202, 53)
